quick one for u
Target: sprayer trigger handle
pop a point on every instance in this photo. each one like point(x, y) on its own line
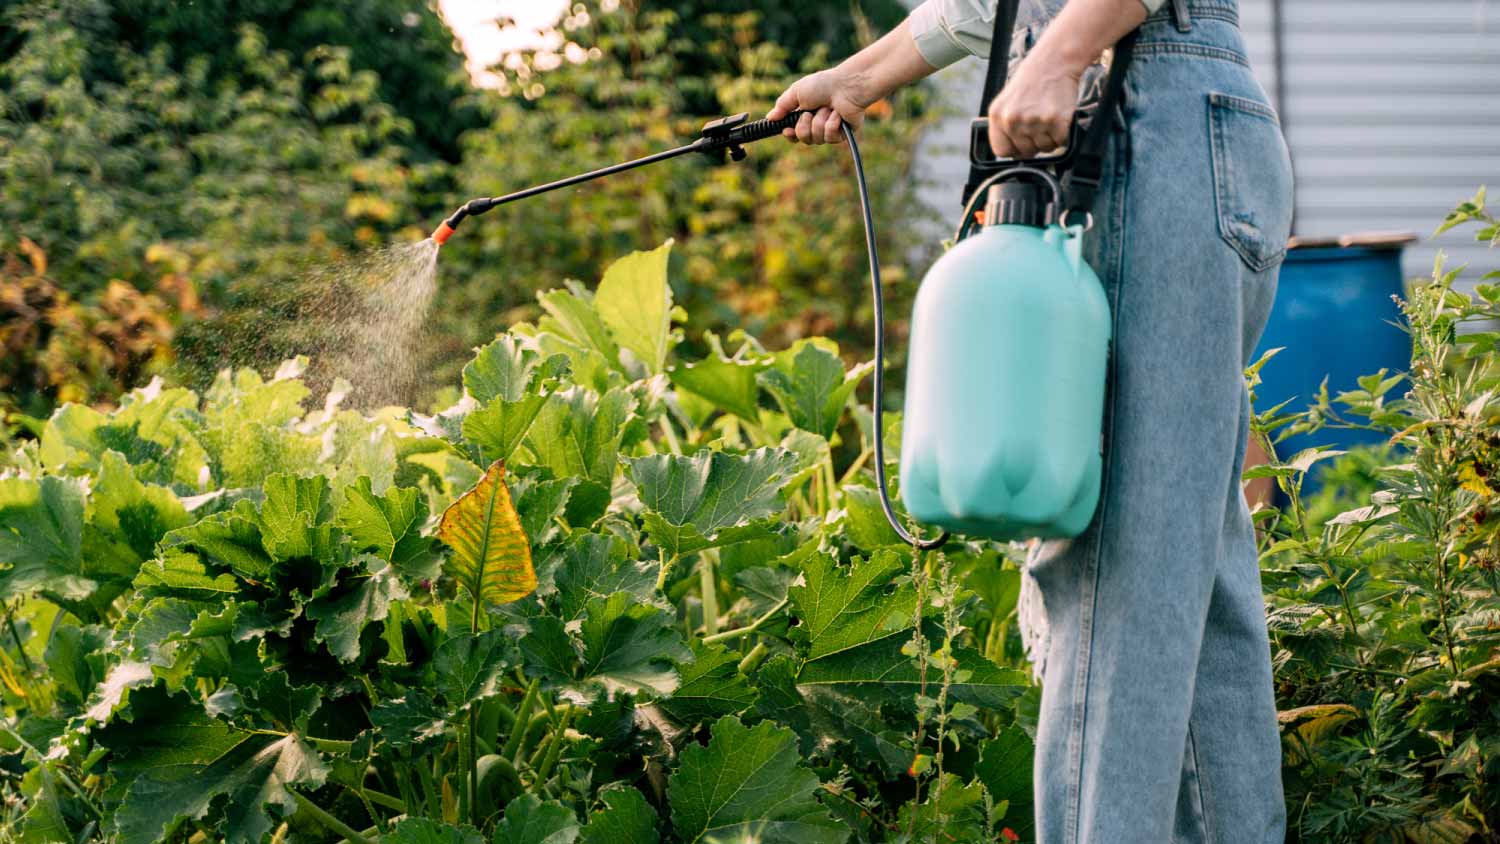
point(720, 126)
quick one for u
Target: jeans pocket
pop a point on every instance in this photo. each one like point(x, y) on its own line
point(1252, 179)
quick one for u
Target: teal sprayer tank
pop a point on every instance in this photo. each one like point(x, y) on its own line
point(1006, 376)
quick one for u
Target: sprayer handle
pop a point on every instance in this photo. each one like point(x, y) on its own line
point(736, 129)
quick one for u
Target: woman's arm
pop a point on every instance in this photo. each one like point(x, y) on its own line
point(1031, 114)
point(842, 93)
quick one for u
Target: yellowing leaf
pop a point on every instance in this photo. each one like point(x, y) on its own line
point(491, 554)
point(1471, 481)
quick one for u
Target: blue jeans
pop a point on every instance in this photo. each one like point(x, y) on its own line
point(1158, 720)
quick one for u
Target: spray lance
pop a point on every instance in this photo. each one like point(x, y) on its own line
point(1001, 434)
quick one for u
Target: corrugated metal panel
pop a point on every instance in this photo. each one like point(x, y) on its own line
point(1392, 114)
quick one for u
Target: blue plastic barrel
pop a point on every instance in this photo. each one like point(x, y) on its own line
point(1335, 319)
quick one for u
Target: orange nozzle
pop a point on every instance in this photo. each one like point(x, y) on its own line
point(442, 233)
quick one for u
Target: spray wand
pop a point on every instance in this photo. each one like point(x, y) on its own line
point(724, 139)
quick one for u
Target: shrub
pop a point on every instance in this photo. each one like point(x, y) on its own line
point(1385, 618)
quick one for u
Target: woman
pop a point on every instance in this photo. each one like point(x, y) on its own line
point(1158, 721)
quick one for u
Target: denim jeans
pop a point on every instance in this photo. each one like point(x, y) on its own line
point(1158, 720)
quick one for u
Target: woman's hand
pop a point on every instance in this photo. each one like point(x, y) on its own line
point(840, 95)
point(1034, 111)
point(831, 98)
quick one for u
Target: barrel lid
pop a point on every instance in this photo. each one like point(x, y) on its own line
point(1366, 240)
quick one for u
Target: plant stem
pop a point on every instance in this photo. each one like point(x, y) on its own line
point(666, 568)
point(380, 798)
point(554, 750)
point(708, 585)
point(10, 623)
point(333, 824)
point(752, 660)
point(473, 771)
point(736, 633)
point(327, 745)
point(513, 744)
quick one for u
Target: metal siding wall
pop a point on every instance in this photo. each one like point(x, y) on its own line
point(1393, 117)
point(1392, 114)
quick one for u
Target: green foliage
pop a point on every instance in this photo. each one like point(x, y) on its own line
point(238, 615)
point(1383, 616)
point(189, 168)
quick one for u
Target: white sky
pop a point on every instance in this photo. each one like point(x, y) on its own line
point(485, 42)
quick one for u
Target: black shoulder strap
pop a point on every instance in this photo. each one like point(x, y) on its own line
point(999, 63)
point(994, 75)
point(1080, 183)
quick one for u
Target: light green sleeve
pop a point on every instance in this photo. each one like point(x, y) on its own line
point(947, 30)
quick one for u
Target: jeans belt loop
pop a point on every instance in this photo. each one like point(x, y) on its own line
point(1181, 17)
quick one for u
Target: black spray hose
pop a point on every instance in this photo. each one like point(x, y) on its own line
point(726, 136)
point(877, 403)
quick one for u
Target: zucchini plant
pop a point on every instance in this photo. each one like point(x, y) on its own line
point(612, 594)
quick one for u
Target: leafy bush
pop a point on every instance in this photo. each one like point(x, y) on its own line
point(1384, 618)
point(611, 595)
point(253, 141)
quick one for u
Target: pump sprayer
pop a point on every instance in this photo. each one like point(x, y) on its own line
point(1002, 429)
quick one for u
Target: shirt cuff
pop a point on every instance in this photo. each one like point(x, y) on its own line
point(937, 39)
point(1152, 5)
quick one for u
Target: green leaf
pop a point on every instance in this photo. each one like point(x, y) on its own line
point(635, 301)
point(623, 646)
point(182, 573)
point(127, 515)
point(952, 812)
point(625, 819)
point(76, 660)
point(412, 719)
point(528, 820)
point(388, 525)
point(810, 384)
point(251, 777)
point(725, 383)
point(1005, 768)
point(747, 785)
point(855, 622)
point(699, 501)
point(468, 668)
point(357, 602)
point(865, 520)
point(41, 537)
point(505, 371)
point(597, 566)
point(499, 427)
point(711, 686)
point(572, 317)
point(578, 432)
point(423, 831)
point(844, 608)
point(294, 518)
point(230, 540)
point(112, 693)
point(491, 555)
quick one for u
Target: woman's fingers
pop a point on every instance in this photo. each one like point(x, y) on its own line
point(804, 127)
point(820, 126)
point(831, 129)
